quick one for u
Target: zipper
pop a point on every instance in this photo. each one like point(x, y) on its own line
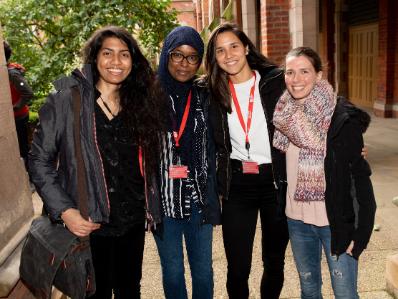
point(224, 129)
point(102, 171)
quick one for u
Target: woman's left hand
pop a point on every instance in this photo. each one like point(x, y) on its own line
point(349, 249)
point(365, 152)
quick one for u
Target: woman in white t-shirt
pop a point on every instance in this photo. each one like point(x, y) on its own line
point(251, 173)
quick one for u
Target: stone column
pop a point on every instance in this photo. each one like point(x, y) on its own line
point(16, 209)
point(249, 19)
point(304, 24)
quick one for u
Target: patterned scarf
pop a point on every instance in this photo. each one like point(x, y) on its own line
point(306, 126)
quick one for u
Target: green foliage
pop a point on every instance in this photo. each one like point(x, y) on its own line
point(46, 35)
point(33, 118)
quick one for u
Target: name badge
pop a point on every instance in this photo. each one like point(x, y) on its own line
point(250, 167)
point(178, 172)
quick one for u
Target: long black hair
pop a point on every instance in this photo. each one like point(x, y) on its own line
point(142, 108)
point(217, 78)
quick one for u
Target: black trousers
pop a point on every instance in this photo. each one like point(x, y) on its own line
point(250, 194)
point(21, 125)
point(118, 264)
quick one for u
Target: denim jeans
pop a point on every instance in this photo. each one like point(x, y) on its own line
point(198, 241)
point(307, 241)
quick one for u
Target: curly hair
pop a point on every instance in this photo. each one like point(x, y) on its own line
point(216, 77)
point(143, 107)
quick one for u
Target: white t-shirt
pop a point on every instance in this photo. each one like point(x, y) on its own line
point(260, 149)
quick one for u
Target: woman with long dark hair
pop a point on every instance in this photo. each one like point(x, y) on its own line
point(245, 87)
point(120, 127)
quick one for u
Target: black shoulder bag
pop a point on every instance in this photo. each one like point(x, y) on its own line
point(52, 255)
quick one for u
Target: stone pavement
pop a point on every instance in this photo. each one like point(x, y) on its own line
point(382, 142)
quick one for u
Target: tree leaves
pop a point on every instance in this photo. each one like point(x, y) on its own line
point(46, 35)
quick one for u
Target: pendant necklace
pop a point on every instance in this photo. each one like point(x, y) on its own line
point(107, 107)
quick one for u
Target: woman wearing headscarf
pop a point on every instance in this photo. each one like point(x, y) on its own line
point(187, 170)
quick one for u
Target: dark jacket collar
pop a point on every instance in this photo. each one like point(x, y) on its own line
point(83, 76)
point(346, 110)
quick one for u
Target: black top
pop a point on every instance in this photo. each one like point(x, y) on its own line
point(125, 185)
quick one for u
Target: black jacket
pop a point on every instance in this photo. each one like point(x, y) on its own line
point(271, 87)
point(21, 92)
point(349, 197)
point(212, 210)
point(52, 160)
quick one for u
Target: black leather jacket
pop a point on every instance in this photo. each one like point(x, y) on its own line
point(52, 161)
point(271, 87)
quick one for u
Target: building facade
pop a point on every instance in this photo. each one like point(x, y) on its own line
point(357, 39)
point(16, 210)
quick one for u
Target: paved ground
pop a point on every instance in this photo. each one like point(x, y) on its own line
point(382, 141)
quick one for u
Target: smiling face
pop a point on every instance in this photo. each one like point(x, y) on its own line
point(300, 76)
point(231, 57)
point(183, 71)
point(114, 62)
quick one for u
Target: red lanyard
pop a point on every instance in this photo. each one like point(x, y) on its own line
point(140, 160)
point(246, 128)
point(177, 136)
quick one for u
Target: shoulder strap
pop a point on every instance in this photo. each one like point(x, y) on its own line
point(81, 170)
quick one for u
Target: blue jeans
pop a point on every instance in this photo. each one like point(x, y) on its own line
point(198, 241)
point(307, 241)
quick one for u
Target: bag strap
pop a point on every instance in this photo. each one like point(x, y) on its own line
point(81, 170)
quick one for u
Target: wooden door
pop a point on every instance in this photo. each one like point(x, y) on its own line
point(362, 64)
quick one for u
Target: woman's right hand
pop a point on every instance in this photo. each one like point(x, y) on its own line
point(77, 224)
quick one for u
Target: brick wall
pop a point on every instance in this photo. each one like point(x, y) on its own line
point(186, 12)
point(394, 50)
point(387, 90)
point(275, 37)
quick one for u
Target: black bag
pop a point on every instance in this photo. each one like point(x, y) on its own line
point(52, 255)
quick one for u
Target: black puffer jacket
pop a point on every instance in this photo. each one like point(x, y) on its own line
point(271, 87)
point(52, 160)
point(349, 197)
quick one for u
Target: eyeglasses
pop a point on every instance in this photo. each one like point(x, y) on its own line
point(178, 57)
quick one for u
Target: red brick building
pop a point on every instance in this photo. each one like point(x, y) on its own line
point(357, 39)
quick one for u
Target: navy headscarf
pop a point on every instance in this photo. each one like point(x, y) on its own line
point(179, 36)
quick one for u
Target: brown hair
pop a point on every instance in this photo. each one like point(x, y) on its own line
point(308, 52)
point(216, 77)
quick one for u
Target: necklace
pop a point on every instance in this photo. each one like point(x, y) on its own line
point(107, 107)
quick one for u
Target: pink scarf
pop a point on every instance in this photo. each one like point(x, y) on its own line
point(306, 126)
